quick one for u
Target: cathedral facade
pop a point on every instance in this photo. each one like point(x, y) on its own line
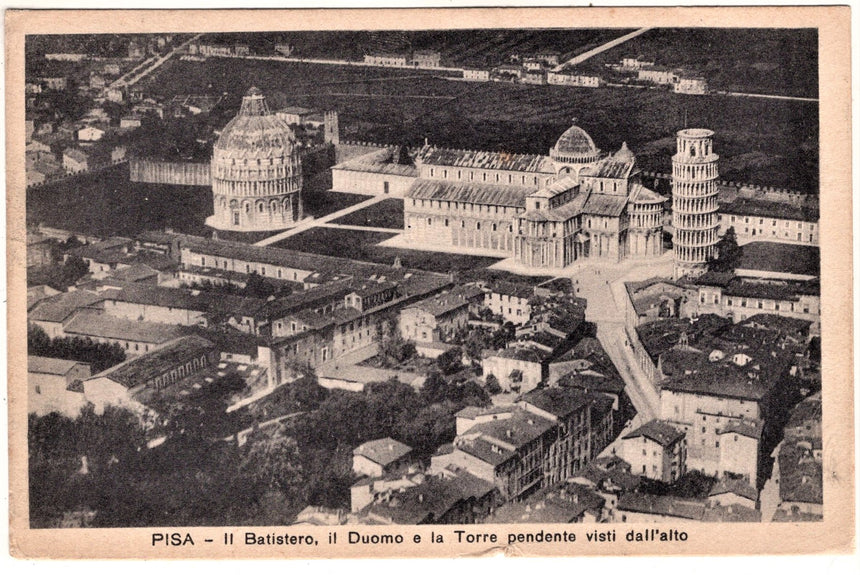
point(545, 211)
point(256, 171)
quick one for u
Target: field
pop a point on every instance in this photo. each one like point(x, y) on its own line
point(760, 141)
point(386, 214)
point(105, 204)
point(360, 245)
point(322, 203)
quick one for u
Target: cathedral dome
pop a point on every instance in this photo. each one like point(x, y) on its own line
point(574, 148)
point(574, 142)
point(256, 132)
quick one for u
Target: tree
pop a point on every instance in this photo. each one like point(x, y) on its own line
point(451, 361)
point(728, 253)
point(492, 384)
point(272, 463)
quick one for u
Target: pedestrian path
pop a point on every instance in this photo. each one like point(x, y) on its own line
point(310, 223)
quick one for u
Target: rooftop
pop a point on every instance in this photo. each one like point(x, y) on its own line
point(740, 487)
point(382, 451)
point(565, 503)
point(562, 402)
point(97, 324)
point(50, 365)
point(137, 371)
point(485, 160)
point(469, 192)
point(666, 505)
point(657, 431)
point(767, 209)
point(59, 307)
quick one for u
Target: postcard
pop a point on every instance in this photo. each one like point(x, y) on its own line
point(429, 282)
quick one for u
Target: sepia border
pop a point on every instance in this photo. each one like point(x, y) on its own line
point(835, 534)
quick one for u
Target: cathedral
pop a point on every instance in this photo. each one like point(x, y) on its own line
point(544, 211)
point(256, 171)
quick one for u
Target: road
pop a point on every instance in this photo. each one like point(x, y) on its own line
point(600, 49)
point(309, 223)
point(148, 66)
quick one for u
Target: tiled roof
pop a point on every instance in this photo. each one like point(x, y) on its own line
point(604, 205)
point(751, 428)
point(139, 370)
point(59, 307)
point(565, 503)
point(50, 365)
point(469, 192)
point(521, 291)
point(639, 194)
point(657, 431)
point(485, 160)
point(609, 167)
point(767, 209)
point(97, 324)
point(564, 401)
point(740, 487)
point(382, 451)
point(665, 505)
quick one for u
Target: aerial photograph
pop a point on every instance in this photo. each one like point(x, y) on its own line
point(485, 276)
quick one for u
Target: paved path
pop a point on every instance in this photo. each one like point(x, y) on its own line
point(362, 228)
point(602, 48)
point(309, 223)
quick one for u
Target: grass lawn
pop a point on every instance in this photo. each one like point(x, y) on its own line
point(107, 203)
point(319, 204)
point(361, 245)
point(386, 214)
point(785, 258)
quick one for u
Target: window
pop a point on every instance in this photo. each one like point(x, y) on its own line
point(429, 221)
point(478, 225)
point(203, 262)
point(39, 389)
point(446, 222)
point(704, 429)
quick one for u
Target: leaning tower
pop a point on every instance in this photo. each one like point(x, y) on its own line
point(694, 202)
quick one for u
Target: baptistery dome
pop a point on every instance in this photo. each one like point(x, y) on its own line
point(256, 171)
point(574, 150)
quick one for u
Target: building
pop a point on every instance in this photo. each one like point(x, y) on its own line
point(721, 403)
point(566, 503)
point(656, 448)
point(390, 60)
point(134, 337)
point(256, 171)
point(294, 115)
point(648, 508)
point(381, 457)
point(655, 299)
point(39, 250)
point(545, 438)
point(756, 219)
point(578, 80)
point(739, 298)
point(518, 369)
point(75, 160)
point(694, 202)
point(426, 59)
point(691, 84)
point(728, 491)
point(55, 385)
point(511, 301)
point(129, 122)
point(476, 74)
point(449, 497)
point(155, 370)
point(545, 211)
point(435, 319)
point(657, 75)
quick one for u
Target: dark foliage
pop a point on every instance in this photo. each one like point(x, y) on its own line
point(100, 356)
